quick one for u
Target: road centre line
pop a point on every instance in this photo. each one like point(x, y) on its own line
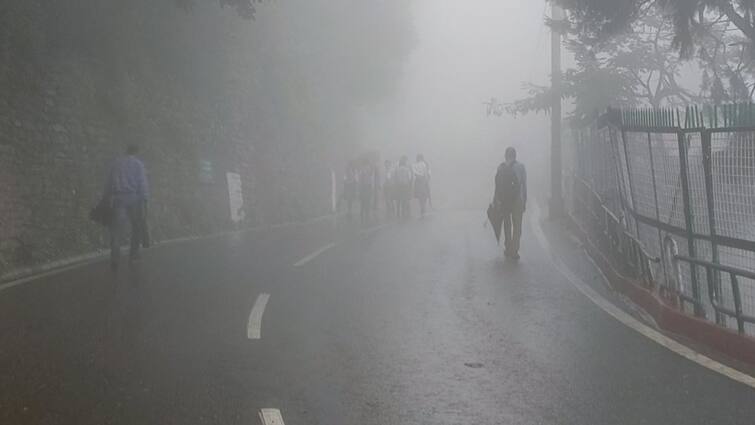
point(254, 325)
point(372, 229)
point(314, 255)
point(324, 248)
point(630, 321)
point(271, 417)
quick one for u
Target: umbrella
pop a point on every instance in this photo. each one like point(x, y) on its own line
point(495, 215)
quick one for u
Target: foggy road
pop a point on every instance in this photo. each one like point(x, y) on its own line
point(419, 322)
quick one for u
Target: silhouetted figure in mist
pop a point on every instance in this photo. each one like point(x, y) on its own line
point(389, 190)
point(403, 177)
point(376, 185)
point(126, 190)
point(511, 197)
point(421, 171)
point(366, 181)
point(349, 194)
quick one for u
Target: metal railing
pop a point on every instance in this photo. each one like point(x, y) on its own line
point(712, 270)
point(607, 230)
point(647, 181)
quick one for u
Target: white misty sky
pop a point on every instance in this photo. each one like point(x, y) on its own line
point(466, 53)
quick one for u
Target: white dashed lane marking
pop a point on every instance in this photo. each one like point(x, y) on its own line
point(271, 417)
point(314, 255)
point(254, 325)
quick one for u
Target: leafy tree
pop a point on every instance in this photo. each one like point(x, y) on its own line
point(726, 60)
point(245, 8)
point(629, 56)
point(637, 67)
point(601, 18)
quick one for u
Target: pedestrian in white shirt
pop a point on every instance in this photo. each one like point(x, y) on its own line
point(421, 182)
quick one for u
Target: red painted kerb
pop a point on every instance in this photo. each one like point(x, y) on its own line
point(669, 317)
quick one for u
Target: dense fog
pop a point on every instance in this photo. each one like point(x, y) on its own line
point(464, 57)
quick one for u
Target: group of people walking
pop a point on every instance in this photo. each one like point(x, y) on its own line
point(397, 184)
point(404, 182)
point(126, 191)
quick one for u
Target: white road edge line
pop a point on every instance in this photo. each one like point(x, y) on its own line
point(43, 275)
point(254, 325)
point(633, 323)
point(89, 259)
point(271, 417)
point(314, 255)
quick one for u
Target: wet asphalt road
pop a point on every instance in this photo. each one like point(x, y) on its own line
point(414, 323)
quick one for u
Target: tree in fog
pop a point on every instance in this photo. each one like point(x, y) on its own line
point(628, 54)
point(601, 18)
point(245, 8)
point(637, 67)
point(720, 34)
point(726, 60)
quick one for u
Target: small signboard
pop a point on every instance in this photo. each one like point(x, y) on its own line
point(235, 197)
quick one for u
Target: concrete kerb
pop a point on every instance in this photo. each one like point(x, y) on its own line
point(22, 276)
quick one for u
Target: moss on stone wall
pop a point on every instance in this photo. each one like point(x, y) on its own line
point(81, 79)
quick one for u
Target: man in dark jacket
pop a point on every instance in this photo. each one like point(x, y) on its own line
point(511, 198)
point(127, 191)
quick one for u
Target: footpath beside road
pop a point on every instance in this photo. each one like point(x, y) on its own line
point(420, 322)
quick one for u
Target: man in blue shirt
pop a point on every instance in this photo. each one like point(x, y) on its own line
point(127, 191)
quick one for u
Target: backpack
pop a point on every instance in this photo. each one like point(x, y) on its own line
point(507, 187)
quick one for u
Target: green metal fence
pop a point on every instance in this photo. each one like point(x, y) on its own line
point(681, 184)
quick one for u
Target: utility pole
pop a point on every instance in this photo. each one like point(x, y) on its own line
point(557, 201)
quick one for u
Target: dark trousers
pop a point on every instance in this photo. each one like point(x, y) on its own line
point(365, 208)
point(512, 230)
point(390, 207)
point(131, 210)
point(404, 208)
point(422, 206)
